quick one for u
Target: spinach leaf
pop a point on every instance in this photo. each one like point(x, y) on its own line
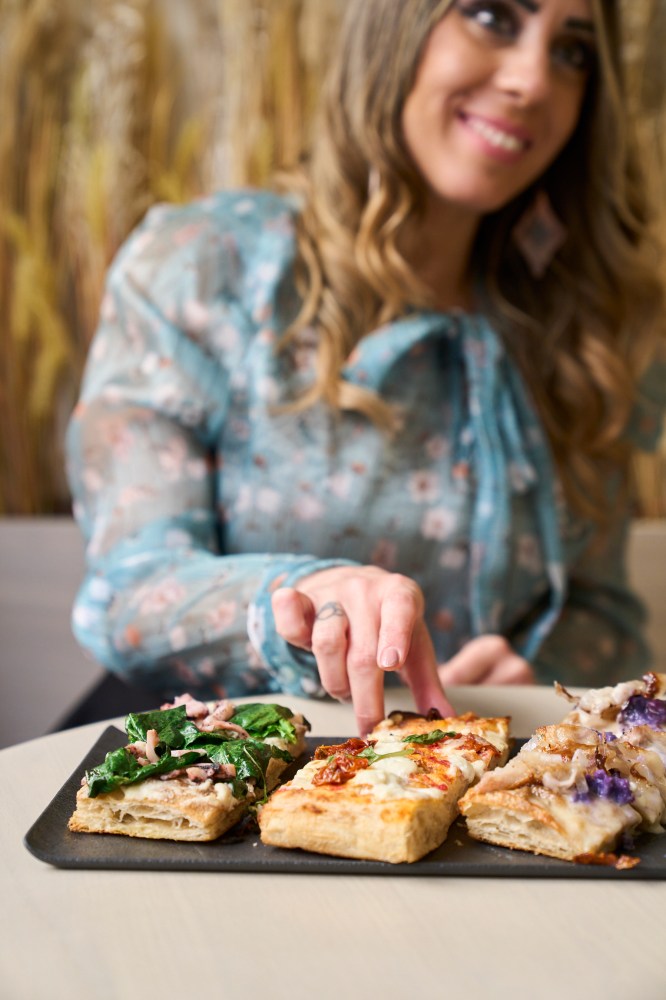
point(120, 767)
point(249, 757)
point(427, 738)
point(174, 729)
point(262, 721)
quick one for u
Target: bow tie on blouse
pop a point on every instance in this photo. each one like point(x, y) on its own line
point(506, 445)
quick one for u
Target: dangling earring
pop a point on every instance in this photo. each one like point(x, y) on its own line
point(539, 234)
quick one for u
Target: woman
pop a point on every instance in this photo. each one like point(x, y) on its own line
point(382, 423)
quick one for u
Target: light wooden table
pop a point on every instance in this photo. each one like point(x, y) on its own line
point(114, 935)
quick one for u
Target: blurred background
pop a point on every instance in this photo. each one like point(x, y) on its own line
point(106, 107)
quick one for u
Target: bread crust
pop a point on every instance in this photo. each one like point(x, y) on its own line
point(178, 809)
point(350, 823)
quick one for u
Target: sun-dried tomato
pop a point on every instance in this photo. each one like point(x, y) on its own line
point(352, 746)
point(340, 769)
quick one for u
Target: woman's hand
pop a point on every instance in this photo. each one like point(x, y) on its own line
point(361, 622)
point(489, 659)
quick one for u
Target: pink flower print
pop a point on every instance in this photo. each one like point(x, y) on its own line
point(339, 484)
point(437, 447)
point(222, 616)
point(135, 494)
point(131, 638)
point(118, 436)
point(308, 508)
point(225, 337)
point(268, 500)
point(206, 667)
point(521, 476)
point(261, 313)
point(453, 557)
point(424, 486)
point(266, 336)
point(187, 233)
point(267, 390)
point(243, 499)
point(143, 240)
point(99, 349)
point(244, 207)
point(240, 429)
point(528, 554)
point(156, 599)
point(384, 554)
point(196, 316)
point(438, 523)
point(172, 459)
point(177, 638)
point(92, 479)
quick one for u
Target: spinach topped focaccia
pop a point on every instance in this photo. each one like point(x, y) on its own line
point(190, 770)
point(389, 798)
point(582, 789)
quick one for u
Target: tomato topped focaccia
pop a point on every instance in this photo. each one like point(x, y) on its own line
point(582, 789)
point(190, 770)
point(389, 798)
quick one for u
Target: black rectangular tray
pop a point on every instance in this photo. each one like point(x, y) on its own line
point(241, 850)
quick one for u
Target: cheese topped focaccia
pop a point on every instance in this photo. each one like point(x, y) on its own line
point(389, 798)
point(190, 770)
point(581, 789)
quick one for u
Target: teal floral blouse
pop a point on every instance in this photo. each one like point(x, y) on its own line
point(196, 490)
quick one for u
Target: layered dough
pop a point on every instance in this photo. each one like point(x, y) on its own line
point(398, 808)
point(178, 809)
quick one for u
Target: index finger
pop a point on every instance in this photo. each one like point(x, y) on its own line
point(420, 672)
point(401, 610)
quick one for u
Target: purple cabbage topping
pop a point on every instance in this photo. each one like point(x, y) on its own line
point(606, 786)
point(609, 737)
point(642, 711)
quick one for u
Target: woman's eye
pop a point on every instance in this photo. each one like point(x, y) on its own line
point(575, 53)
point(496, 16)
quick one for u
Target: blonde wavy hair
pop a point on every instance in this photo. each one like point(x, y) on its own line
point(581, 336)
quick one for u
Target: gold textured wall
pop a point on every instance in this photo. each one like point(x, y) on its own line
point(105, 108)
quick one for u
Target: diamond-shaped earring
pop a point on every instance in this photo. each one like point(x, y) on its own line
point(539, 234)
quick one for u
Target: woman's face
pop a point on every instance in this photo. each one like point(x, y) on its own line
point(497, 95)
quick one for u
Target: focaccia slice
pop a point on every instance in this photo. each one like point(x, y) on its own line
point(195, 774)
point(572, 792)
point(389, 798)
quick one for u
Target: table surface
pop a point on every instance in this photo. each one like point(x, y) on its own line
point(117, 934)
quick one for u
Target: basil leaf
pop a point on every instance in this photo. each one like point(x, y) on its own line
point(370, 754)
point(174, 729)
point(427, 738)
point(120, 767)
point(262, 721)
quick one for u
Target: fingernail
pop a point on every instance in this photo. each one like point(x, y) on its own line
point(389, 658)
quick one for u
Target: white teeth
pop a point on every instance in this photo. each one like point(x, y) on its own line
point(495, 136)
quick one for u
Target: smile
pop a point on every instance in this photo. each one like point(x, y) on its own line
point(496, 137)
